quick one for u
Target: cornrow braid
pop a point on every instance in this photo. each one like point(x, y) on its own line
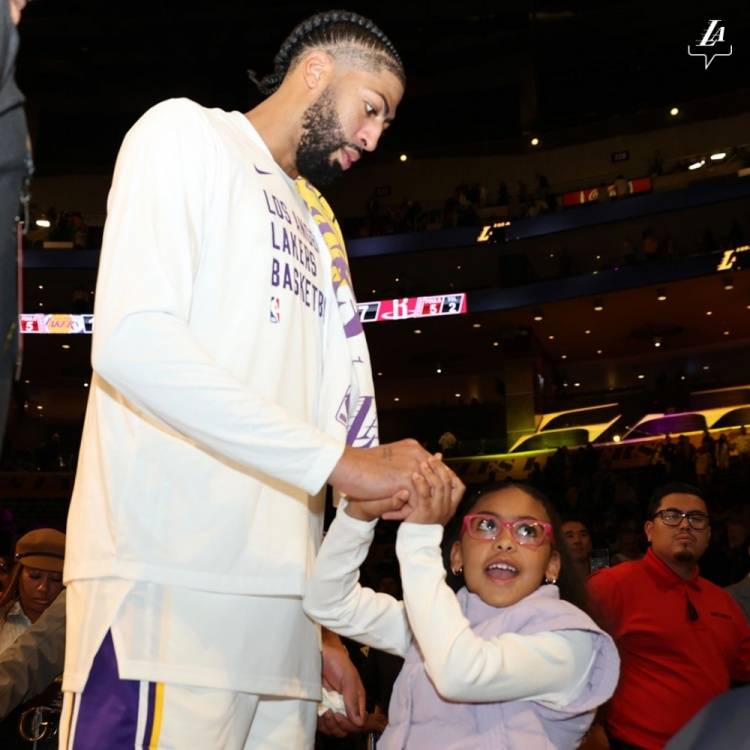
point(330, 29)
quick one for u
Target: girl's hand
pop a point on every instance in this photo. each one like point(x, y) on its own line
point(439, 492)
point(369, 510)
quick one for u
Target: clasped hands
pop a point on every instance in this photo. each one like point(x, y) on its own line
point(433, 497)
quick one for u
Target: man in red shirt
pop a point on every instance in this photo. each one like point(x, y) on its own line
point(682, 640)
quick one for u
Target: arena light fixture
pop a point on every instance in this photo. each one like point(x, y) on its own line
point(718, 156)
point(534, 141)
point(674, 111)
point(696, 165)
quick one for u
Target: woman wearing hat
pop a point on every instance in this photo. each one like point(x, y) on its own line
point(35, 582)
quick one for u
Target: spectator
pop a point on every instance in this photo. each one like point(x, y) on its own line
point(578, 541)
point(682, 640)
point(34, 659)
point(79, 232)
point(4, 572)
point(621, 186)
point(741, 592)
point(722, 454)
point(15, 168)
point(447, 441)
point(737, 538)
point(742, 445)
point(703, 466)
point(684, 459)
point(627, 545)
point(34, 584)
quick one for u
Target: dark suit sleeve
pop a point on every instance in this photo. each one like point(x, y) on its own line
point(30, 664)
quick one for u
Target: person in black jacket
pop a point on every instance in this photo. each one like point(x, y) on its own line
point(14, 168)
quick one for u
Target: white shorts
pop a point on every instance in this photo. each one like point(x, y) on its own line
point(126, 714)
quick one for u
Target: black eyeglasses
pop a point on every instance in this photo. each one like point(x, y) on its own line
point(673, 517)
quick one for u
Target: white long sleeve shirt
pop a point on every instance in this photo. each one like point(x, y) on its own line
point(196, 513)
point(552, 667)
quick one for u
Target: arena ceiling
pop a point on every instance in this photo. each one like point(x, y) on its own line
point(481, 74)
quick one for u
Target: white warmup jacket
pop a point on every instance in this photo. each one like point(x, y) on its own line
point(211, 422)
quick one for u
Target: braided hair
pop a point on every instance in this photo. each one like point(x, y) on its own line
point(330, 30)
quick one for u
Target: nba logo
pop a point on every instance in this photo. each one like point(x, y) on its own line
point(275, 310)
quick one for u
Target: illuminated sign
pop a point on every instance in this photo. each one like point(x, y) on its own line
point(729, 259)
point(369, 312)
point(57, 323)
point(591, 195)
point(413, 307)
point(488, 230)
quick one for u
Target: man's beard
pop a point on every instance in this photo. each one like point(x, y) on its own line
point(322, 134)
point(685, 555)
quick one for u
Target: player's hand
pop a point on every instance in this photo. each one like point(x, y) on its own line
point(369, 510)
point(439, 491)
point(341, 675)
point(381, 472)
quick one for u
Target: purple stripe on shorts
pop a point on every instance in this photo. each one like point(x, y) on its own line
point(149, 715)
point(108, 706)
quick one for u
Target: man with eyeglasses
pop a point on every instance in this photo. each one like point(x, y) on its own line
point(682, 639)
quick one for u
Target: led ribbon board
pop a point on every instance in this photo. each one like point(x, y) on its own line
point(369, 312)
point(55, 323)
point(413, 307)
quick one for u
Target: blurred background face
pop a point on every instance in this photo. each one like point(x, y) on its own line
point(736, 533)
point(681, 544)
point(37, 589)
point(4, 572)
point(578, 540)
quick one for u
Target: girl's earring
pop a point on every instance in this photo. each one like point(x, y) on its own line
point(553, 581)
point(457, 572)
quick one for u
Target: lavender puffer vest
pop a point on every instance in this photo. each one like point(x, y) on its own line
point(419, 719)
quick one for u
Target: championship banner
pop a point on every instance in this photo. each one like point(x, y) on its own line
point(404, 308)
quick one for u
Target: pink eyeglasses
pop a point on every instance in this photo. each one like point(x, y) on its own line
point(528, 532)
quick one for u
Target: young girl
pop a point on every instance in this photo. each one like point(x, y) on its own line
point(505, 663)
